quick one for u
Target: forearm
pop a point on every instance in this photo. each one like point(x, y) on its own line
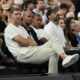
point(24, 41)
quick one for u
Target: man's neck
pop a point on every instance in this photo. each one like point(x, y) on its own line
point(14, 23)
point(26, 26)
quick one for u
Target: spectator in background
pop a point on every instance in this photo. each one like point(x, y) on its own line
point(29, 5)
point(39, 7)
point(78, 32)
point(10, 2)
point(76, 4)
point(71, 31)
point(61, 23)
point(78, 16)
point(2, 2)
point(71, 10)
point(52, 28)
point(53, 3)
point(5, 13)
point(63, 10)
point(27, 20)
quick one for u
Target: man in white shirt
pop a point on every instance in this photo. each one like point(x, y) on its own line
point(52, 28)
point(39, 7)
point(24, 48)
point(36, 25)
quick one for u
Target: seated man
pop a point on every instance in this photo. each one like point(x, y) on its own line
point(26, 50)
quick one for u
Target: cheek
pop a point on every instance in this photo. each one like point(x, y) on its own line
point(26, 19)
point(13, 17)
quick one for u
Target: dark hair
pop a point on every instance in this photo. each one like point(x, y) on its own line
point(37, 1)
point(64, 6)
point(67, 23)
point(35, 14)
point(29, 2)
point(50, 11)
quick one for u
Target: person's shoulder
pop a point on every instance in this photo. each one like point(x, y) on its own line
point(10, 25)
point(21, 27)
point(47, 25)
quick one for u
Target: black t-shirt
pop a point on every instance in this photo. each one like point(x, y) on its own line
point(2, 26)
point(73, 39)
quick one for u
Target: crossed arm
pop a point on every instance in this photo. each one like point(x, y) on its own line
point(24, 42)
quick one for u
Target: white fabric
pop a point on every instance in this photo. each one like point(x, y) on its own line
point(78, 15)
point(55, 31)
point(41, 33)
point(37, 11)
point(51, 30)
point(44, 19)
point(37, 54)
point(10, 32)
point(18, 1)
point(61, 36)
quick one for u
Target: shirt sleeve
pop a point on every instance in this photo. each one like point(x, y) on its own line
point(11, 33)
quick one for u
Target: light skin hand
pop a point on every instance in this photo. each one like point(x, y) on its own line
point(25, 42)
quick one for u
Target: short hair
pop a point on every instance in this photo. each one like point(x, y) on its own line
point(38, 15)
point(24, 13)
point(29, 2)
point(37, 1)
point(63, 6)
point(54, 10)
point(15, 8)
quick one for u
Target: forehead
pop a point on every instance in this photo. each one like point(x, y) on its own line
point(61, 20)
point(16, 11)
point(27, 14)
point(37, 18)
point(38, 2)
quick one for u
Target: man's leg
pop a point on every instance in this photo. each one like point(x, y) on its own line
point(53, 64)
point(41, 55)
point(56, 46)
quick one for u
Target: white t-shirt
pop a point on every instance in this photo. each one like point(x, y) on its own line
point(10, 32)
point(41, 33)
point(61, 36)
point(51, 29)
point(55, 31)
